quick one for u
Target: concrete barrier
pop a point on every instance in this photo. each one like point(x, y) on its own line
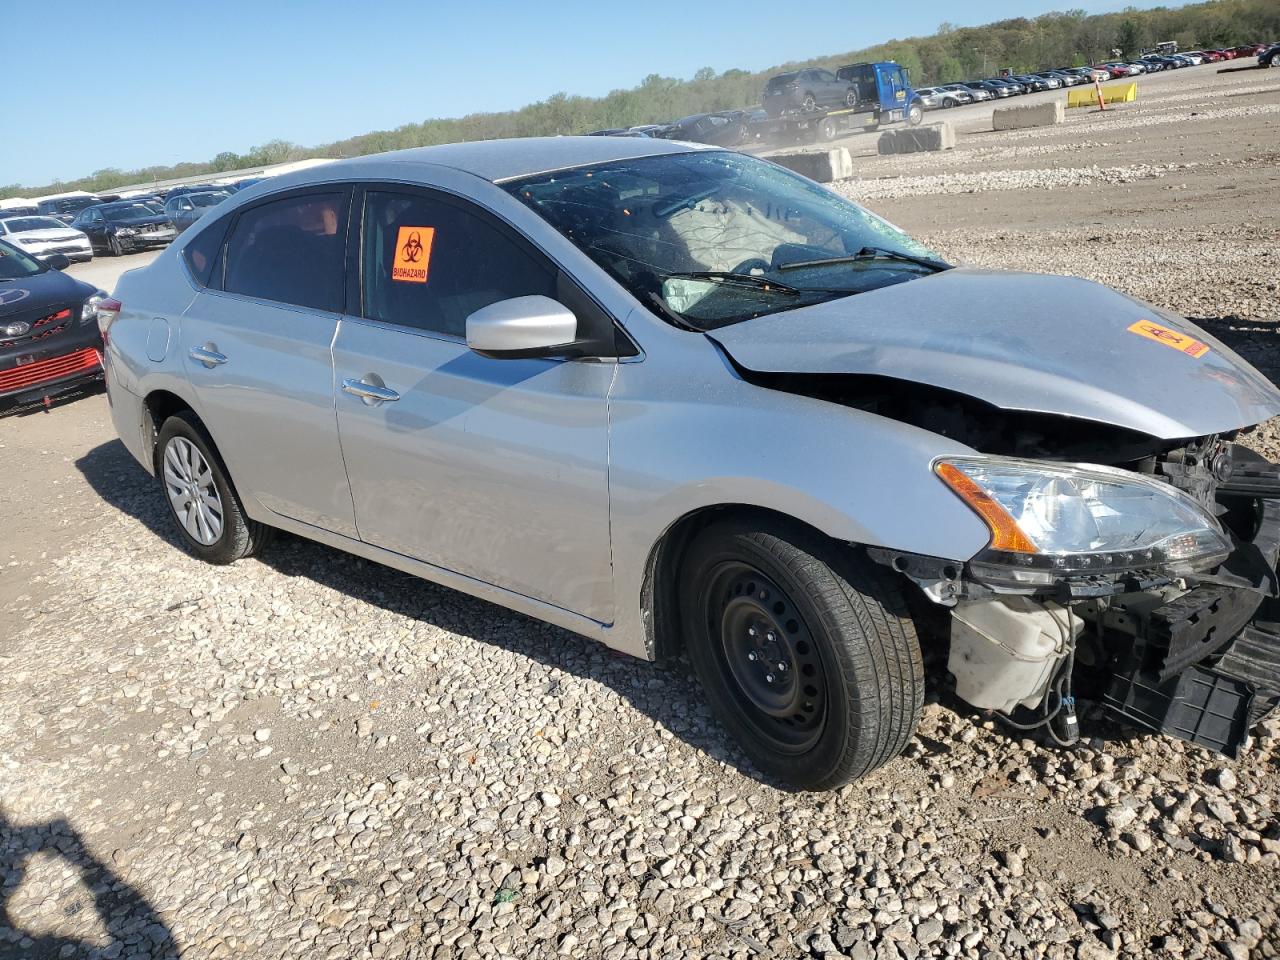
point(1113, 93)
point(823, 166)
point(925, 138)
point(1028, 115)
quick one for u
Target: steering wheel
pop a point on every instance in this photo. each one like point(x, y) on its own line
point(753, 263)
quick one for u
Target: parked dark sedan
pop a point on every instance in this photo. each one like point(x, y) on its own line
point(807, 91)
point(186, 209)
point(995, 89)
point(1033, 83)
point(1270, 57)
point(49, 337)
point(125, 226)
point(727, 129)
point(66, 208)
point(1015, 86)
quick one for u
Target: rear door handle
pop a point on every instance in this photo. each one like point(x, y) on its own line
point(208, 356)
point(370, 393)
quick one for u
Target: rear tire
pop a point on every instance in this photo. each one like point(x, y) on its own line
point(216, 529)
point(806, 651)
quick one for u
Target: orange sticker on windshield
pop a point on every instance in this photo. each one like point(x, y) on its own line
point(1170, 338)
point(413, 254)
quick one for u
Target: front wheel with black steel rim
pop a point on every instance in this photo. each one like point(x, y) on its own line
point(805, 649)
point(210, 519)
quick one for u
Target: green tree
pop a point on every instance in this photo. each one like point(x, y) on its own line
point(1129, 39)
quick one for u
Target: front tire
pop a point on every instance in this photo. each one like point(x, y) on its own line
point(806, 651)
point(113, 244)
point(206, 510)
point(914, 114)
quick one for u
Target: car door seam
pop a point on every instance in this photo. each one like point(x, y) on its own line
point(337, 426)
point(608, 488)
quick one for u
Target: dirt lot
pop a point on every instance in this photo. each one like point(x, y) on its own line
point(312, 756)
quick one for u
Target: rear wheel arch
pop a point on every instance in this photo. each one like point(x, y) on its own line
point(158, 406)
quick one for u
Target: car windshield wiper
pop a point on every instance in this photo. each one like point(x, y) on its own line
point(866, 254)
point(741, 279)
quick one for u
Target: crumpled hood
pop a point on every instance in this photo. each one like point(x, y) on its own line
point(1020, 341)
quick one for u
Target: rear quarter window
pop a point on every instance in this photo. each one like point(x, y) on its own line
point(201, 253)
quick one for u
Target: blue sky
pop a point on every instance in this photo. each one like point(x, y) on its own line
point(140, 82)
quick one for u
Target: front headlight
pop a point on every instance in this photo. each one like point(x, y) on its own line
point(89, 311)
point(125, 231)
point(1050, 521)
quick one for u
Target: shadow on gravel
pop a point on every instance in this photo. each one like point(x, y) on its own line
point(1255, 341)
point(134, 928)
point(9, 409)
point(666, 692)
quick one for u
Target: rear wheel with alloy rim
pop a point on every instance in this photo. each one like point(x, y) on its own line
point(196, 502)
point(206, 510)
point(805, 649)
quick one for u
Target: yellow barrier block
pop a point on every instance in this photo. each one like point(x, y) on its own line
point(1112, 93)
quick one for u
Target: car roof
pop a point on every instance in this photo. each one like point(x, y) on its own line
point(498, 160)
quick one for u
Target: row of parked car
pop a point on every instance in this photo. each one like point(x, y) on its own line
point(77, 226)
point(814, 90)
point(1012, 85)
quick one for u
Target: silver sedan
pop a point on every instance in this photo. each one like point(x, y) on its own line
point(684, 401)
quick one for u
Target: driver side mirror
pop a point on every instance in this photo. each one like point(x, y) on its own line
point(523, 327)
point(59, 261)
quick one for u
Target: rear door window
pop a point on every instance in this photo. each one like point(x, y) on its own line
point(429, 262)
point(291, 250)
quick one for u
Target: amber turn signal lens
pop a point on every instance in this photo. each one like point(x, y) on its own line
point(1005, 533)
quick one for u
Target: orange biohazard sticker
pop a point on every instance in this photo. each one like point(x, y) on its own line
point(413, 254)
point(1170, 338)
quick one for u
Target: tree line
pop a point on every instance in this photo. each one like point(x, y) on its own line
point(1068, 38)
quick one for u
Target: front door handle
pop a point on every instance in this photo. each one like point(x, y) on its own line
point(207, 355)
point(370, 393)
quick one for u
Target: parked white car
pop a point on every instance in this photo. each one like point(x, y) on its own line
point(42, 237)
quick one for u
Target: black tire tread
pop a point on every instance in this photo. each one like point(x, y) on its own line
point(883, 674)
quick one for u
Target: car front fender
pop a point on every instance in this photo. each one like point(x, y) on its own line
point(854, 476)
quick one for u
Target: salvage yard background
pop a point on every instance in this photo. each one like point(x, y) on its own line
point(309, 755)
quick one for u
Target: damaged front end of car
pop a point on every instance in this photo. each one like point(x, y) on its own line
point(1153, 588)
point(1133, 541)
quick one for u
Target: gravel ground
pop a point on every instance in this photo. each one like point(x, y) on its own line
point(308, 755)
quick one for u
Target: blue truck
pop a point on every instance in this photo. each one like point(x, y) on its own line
point(817, 104)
